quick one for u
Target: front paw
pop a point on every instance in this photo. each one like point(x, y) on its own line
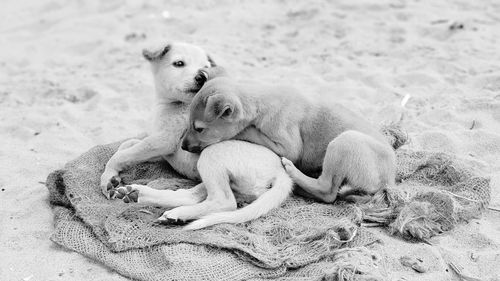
point(172, 217)
point(108, 184)
point(126, 193)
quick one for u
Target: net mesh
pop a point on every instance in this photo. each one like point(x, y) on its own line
point(435, 191)
point(301, 240)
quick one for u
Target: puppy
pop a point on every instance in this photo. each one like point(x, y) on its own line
point(175, 70)
point(247, 169)
point(229, 170)
point(232, 169)
point(319, 138)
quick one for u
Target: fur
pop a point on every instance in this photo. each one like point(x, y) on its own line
point(318, 138)
point(240, 166)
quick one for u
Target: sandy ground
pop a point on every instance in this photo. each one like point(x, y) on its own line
point(71, 77)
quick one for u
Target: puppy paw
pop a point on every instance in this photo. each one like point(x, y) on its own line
point(288, 165)
point(126, 193)
point(171, 217)
point(290, 168)
point(108, 185)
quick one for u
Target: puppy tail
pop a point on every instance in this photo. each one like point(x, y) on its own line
point(279, 192)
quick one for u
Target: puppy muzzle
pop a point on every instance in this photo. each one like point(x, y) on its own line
point(191, 148)
point(201, 77)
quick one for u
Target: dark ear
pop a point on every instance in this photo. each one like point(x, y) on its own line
point(212, 72)
point(211, 61)
point(156, 55)
point(219, 106)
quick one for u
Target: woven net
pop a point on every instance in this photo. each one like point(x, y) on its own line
point(301, 240)
point(435, 191)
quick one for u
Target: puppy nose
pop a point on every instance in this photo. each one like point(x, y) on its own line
point(201, 77)
point(185, 145)
point(194, 149)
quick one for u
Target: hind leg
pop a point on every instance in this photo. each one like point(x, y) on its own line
point(213, 203)
point(144, 194)
point(354, 158)
point(311, 186)
point(323, 188)
point(219, 198)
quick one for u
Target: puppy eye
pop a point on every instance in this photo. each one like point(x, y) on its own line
point(178, 63)
point(199, 129)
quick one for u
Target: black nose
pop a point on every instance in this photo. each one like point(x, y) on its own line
point(201, 77)
point(185, 145)
point(194, 149)
point(191, 148)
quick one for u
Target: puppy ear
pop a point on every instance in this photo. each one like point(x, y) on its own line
point(219, 106)
point(156, 55)
point(211, 61)
point(213, 72)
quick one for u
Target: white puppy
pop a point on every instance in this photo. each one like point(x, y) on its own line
point(175, 70)
point(236, 168)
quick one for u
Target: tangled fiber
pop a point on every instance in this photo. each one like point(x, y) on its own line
point(435, 191)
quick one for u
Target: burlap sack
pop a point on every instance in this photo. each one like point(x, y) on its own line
point(302, 240)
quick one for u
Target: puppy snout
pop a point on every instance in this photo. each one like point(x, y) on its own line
point(201, 77)
point(185, 145)
point(189, 147)
point(194, 149)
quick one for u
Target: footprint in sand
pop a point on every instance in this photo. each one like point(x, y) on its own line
point(491, 83)
point(415, 79)
point(483, 144)
point(483, 105)
point(397, 35)
point(437, 141)
point(305, 14)
point(85, 48)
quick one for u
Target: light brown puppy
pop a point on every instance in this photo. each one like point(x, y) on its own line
point(325, 139)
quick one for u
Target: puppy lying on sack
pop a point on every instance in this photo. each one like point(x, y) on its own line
point(313, 138)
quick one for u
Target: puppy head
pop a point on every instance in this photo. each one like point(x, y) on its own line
point(215, 115)
point(175, 70)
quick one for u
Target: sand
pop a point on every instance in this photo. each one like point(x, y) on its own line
point(71, 77)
